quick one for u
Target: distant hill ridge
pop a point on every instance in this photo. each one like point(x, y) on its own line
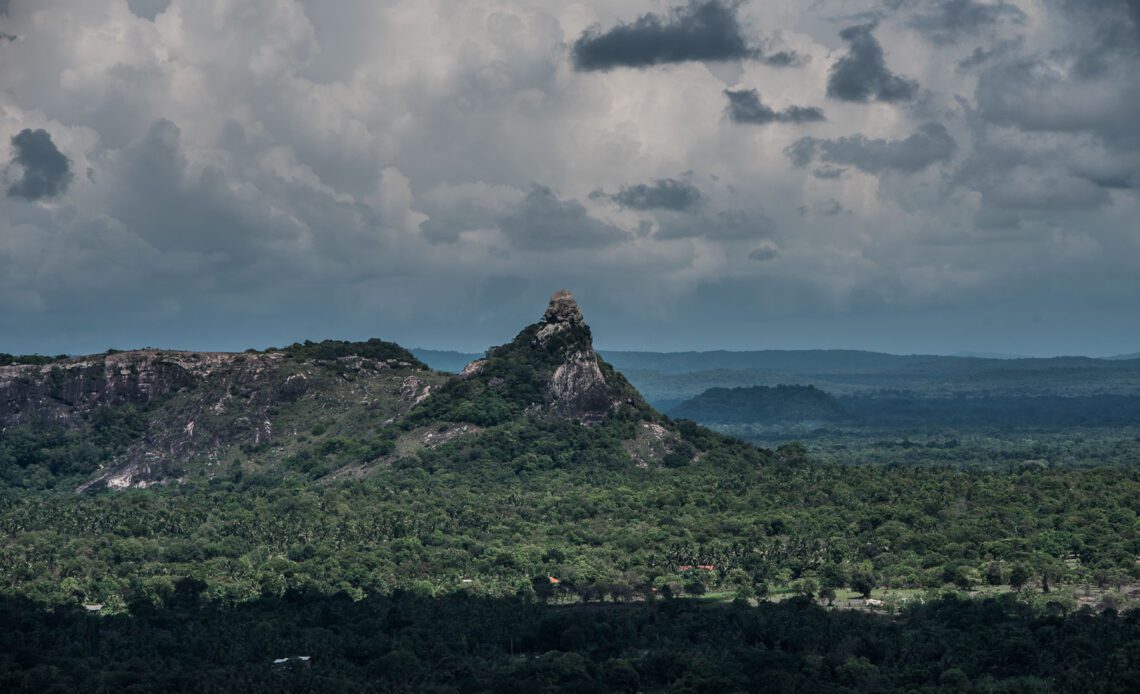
point(762, 405)
point(666, 379)
point(839, 360)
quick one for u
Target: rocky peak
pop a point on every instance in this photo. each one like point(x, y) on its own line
point(555, 360)
point(562, 314)
point(563, 308)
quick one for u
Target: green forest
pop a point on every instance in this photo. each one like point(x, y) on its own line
point(438, 573)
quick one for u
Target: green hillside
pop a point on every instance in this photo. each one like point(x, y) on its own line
point(762, 405)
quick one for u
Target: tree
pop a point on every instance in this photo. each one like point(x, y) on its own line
point(543, 588)
point(995, 573)
point(1018, 577)
point(620, 676)
point(863, 582)
point(1049, 569)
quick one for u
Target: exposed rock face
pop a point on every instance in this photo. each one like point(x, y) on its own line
point(561, 315)
point(580, 390)
point(578, 387)
point(202, 407)
point(65, 390)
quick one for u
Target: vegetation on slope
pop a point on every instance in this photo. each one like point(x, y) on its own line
point(331, 350)
point(515, 377)
point(762, 405)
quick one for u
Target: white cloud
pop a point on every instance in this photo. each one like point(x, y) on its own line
point(282, 154)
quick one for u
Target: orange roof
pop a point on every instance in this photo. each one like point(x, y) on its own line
point(553, 580)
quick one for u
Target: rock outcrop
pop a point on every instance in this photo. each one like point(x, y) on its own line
point(555, 359)
point(207, 410)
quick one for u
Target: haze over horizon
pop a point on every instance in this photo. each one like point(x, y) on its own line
point(906, 177)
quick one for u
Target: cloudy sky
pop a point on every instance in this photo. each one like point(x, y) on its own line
point(901, 175)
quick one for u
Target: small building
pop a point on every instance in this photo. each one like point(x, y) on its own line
point(305, 661)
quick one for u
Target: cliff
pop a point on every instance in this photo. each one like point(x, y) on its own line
point(206, 409)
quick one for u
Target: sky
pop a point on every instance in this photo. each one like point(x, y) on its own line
point(931, 176)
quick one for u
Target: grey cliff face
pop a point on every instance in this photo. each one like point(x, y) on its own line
point(561, 315)
point(578, 388)
point(200, 406)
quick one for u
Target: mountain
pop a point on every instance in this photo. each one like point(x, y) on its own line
point(989, 355)
point(142, 417)
point(1124, 357)
point(761, 405)
point(550, 368)
point(313, 410)
point(550, 373)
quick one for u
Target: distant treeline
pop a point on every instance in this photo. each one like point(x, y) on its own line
point(898, 409)
point(330, 350)
point(29, 359)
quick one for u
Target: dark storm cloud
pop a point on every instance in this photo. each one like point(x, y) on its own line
point(708, 30)
point(951, 20)
point(148, 9)
point(766, 251)
point(1016, 185)
point(831, 207)
point(862, 74)
point(783, 59)
point(981, 56)
point(1033, 97)
point(1094, 96)
point(802, 151)
point(726, 225)
point(1101, 34)
point(827, 173)
point(930, 144)
point(46, 171)
point(1117, 22)
point(543, 222)
point(661, 194)
point(744, 106)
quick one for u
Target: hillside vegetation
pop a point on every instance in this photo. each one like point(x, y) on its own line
point(762, 405)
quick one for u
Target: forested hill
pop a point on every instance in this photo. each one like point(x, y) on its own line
point(762, 405)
